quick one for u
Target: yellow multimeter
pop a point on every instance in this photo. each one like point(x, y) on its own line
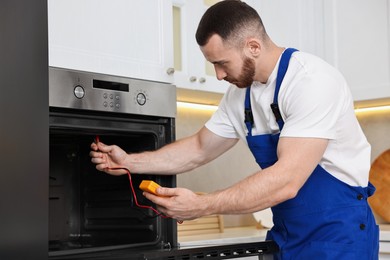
point(149, 186)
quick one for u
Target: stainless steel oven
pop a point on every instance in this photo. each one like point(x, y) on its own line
point(93, 215)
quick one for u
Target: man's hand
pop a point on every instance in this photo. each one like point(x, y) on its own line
point(178, 203)
point(108, 157)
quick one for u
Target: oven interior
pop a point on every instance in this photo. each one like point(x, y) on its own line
point(89, 209)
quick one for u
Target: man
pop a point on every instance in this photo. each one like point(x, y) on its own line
point(314, 156)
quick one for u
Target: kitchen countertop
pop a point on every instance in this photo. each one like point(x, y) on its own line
point(230, 235)
point(252, 234)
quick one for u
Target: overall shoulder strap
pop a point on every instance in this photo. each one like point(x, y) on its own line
point(248, 111)
point(283, 65)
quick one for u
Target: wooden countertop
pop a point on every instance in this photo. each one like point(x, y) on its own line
point(230, 235)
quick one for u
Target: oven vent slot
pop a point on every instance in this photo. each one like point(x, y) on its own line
point(217, 252)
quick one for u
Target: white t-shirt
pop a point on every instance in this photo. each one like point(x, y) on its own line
point(315, 101)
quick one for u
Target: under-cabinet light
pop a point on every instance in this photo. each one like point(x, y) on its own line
point(214, 107)
point(372, 109)
point(196, 106)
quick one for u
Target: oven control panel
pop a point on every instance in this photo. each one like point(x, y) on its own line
point(99, 92)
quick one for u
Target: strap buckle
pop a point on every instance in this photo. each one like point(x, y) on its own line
point(249, 116)
point(276, 111)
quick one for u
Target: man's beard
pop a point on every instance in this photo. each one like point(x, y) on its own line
point(245, 79)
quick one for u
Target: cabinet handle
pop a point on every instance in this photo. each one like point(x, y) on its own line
point(170, 71)
point(202, 80)
point(192, 79)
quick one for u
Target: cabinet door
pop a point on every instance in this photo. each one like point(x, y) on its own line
point(294, 23)
point(118, 37)
point(192, 70)
point(357, 34)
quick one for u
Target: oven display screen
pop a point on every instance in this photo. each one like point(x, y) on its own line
point(110, 85)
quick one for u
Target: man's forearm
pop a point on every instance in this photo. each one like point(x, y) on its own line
point(257, 192)
point(171, 159)
point(297, 159)
point(181, 156)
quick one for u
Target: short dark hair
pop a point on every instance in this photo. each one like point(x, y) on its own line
point(231, 20)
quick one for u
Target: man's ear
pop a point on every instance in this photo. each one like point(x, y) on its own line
point(253, 47)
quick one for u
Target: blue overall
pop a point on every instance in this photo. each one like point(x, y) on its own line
point(328, 219)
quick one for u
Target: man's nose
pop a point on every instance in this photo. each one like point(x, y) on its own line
point(220, 73)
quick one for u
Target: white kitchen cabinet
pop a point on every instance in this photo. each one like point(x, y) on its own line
point(192, 70)
point(118, 37)
point(384, 241)
point(297, 23)
point(352, 35)
point(294, 23)
point(357, 39)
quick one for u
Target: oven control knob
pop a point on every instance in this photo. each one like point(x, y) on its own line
point(141, 99)
point(79, 91)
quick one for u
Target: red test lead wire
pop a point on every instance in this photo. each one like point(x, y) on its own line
point(134, 194)
point(132, 188)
